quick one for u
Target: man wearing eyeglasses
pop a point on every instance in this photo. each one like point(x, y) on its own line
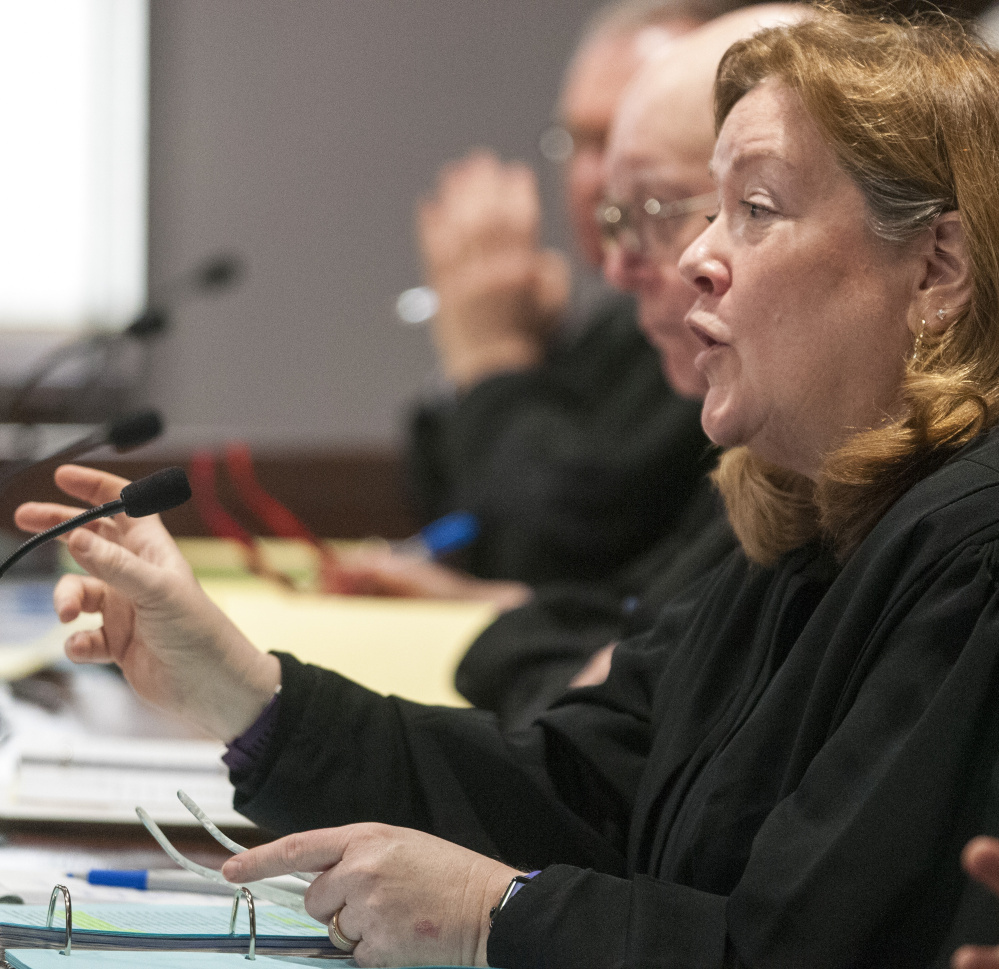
point(561, 435)
point(658, 195)
point(653, 204)
point(563, 632)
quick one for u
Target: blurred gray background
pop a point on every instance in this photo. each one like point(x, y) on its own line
point(300, 134)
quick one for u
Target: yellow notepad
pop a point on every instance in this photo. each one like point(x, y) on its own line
point(405, 647)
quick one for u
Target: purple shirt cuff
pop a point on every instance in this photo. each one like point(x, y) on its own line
point(249, 747)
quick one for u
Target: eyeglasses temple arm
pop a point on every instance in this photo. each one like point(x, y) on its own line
point(223, 839)
point(261, 889)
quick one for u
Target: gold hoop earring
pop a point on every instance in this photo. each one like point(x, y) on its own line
point(919, 341)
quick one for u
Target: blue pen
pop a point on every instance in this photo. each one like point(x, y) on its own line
point(154, 880)
point(165, 880)
point(451, 533)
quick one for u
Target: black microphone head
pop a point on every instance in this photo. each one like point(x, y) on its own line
point(218, 273)
point(134, 430)
point(152, 321)
point(157, 492)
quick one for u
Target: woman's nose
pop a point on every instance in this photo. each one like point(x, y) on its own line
point(702, 265)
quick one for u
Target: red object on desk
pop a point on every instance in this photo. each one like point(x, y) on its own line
point(278, 520)
point(201, 473)
point(281, 521)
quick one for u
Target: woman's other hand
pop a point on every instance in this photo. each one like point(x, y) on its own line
point(597, 668)
point(405, 896)
point(980, 859)
point(376, 570)
point(174, 646)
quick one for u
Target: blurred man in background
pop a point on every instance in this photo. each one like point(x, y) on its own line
point(655, 201)
point(561, 435)
point(658, 195)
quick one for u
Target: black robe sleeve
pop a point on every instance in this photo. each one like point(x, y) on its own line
point(857, 862)
point(780, 774)
point(560, 792)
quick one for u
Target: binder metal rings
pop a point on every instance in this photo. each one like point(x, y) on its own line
point(251, 913)
point(68, 905)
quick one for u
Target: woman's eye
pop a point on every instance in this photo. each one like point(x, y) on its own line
point(757, 211)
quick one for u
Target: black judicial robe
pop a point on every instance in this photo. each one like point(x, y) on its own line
point(781, 773)
point(574, 468)
point(523, 661)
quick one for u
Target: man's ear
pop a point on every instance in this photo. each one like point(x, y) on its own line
point(946, 283)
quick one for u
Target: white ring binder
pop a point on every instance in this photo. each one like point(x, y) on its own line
point(173, 928)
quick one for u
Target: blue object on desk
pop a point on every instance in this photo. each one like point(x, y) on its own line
point(116, 879)
point(140, 878)
point(164, 880)
point(451, 533)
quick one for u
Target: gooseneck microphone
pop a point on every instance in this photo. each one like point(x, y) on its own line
point(124, 434)
point(99, 351)
point(157, 492)
point(131, 431)
point(213, 275)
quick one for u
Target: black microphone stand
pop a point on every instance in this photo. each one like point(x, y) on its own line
point(158, 492)
point(101, 511)
point(100, 351)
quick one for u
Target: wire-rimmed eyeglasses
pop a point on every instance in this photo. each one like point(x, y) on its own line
point(652, 226)
point(560, 142)
point(269, 889)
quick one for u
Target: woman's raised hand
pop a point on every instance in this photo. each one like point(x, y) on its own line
point(173, 644)
point(405, 897)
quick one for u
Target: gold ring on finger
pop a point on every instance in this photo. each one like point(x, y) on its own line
point(339, 939)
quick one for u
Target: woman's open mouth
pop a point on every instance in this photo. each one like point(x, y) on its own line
point(706, 338)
